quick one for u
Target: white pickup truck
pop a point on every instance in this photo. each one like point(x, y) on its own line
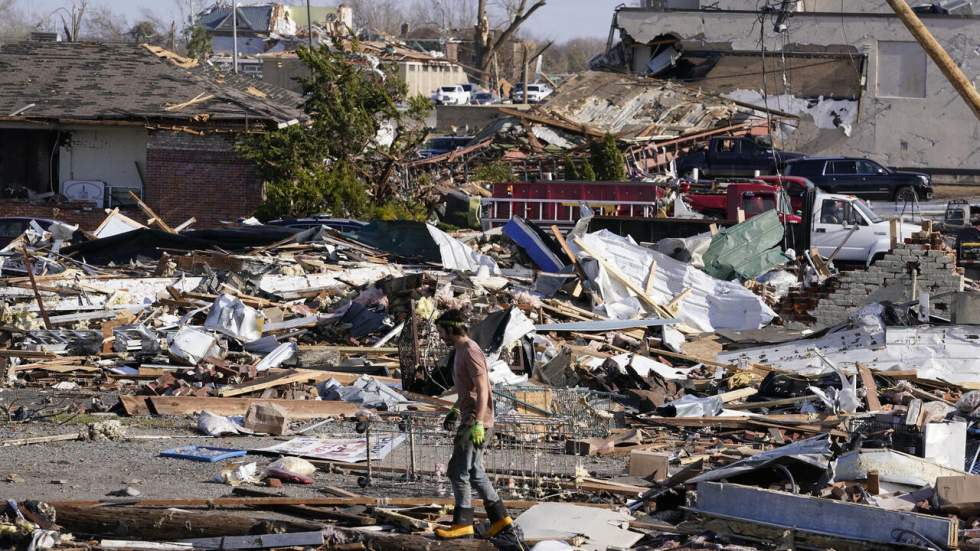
point(847, 223)
point(451, 95)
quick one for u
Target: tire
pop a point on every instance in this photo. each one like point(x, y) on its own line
point(906, 194)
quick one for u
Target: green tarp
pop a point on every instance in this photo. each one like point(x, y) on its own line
point(747, 250)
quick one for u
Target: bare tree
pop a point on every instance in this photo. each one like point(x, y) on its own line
point(447, 15)
point(75, 15)
point(105, 25)
point(518, 13)
point(13, 23)
point(573, 55)
point(382, 16)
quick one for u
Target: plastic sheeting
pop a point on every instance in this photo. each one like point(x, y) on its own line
point(457, 256)
point(712, 304)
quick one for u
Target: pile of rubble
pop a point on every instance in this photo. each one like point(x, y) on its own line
point(642, 400)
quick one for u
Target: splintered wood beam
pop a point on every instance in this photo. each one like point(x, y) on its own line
point(154, 217)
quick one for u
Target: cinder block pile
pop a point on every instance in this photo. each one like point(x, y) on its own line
point(890, 278)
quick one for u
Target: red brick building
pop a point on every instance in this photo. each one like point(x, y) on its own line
point(83, 124)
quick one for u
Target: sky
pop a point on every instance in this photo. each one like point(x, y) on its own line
point(557, 20)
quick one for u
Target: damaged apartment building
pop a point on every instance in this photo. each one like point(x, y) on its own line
point(852, 70)
point(84, 125)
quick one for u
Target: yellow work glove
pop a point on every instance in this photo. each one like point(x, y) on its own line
point(478, 434)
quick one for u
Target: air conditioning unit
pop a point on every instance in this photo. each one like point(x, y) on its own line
point(84, 191)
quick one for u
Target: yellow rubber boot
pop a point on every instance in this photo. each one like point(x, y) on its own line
point(499, 518)
point(462, 526)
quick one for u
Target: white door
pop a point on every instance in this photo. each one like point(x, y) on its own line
point(838, 224)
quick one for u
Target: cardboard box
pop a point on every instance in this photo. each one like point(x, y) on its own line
point(650, 465)
point(958, 494)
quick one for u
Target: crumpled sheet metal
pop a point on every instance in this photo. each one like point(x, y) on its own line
point(712, 304)
point(231, 317)
point(941, 353)
point(813, 453)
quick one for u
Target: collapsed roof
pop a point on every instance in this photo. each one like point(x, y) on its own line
point(113, 82)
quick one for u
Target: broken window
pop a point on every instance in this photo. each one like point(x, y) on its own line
point(901, 70)
point(27, 160)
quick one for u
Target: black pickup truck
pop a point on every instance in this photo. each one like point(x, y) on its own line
point(731, 157)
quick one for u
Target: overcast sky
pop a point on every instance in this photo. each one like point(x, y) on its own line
point(558, 19)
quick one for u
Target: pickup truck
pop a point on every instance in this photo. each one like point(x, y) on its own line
point(536, 93)
point(839, 225)
point(451, 95)
point(847, 223)
point(731, 157)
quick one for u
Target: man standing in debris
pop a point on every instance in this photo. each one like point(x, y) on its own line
point(474, 412)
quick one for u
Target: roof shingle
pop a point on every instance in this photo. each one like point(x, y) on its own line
point(98, 81)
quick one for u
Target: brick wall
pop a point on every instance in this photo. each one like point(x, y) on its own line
point(198, 176)
point(87, 217)
point(890, 278)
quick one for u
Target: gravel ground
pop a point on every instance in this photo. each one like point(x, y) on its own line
point(94, 470)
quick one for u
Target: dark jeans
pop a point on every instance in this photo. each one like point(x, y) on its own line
point(466, 469)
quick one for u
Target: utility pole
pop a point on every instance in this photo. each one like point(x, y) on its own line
point(525, 62)
point(234, 34)
point(309, 22)
point(935, 50)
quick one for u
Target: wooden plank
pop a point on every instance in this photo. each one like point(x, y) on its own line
point(651, 278)
point(261, 502)
point(135, 405)
point(568, 251)
point(149, 212)
point(296, 409)
point(673, 304)
point(262, 383)
point(55, 368)
point(739, 394)
point(772, 403)
point(626, 280)
point(365, 350)
point(871, 389)
point(38, 440)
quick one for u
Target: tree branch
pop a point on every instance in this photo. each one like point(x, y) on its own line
point(509, 31)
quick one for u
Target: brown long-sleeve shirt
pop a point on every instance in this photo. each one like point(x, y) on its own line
point(472, 381)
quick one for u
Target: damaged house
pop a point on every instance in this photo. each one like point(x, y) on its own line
point(856, 76)
point(90, 123)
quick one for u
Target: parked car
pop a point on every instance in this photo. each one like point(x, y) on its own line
point(861, 177)
point(443, 144)
point(536, 93)
point(451, 95)
point(727, 156)
point(484, 98)
point(12, 227)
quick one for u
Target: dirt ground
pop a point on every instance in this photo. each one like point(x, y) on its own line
point(95, 470)
point(956, 192)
